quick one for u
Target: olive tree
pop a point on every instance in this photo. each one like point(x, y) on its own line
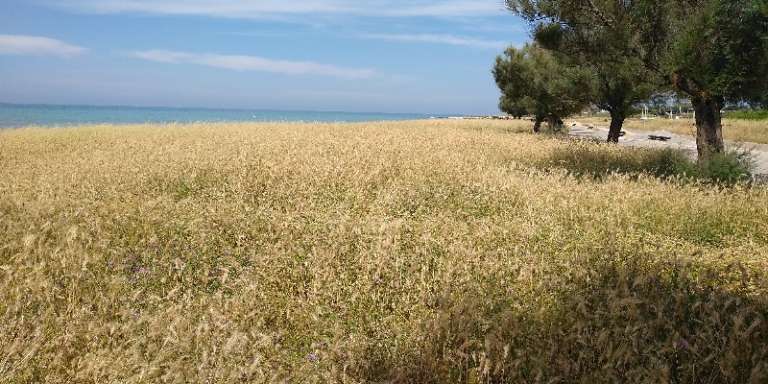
point(621, 80)
point(718, 51)
point(710, 51)
point(533, 82)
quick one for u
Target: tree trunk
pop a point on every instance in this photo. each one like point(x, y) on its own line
point(709, 127)
point(537, 124)
point(617, 121)
point(555, 124)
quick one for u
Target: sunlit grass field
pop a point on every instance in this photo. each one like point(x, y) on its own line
point(739, 130)
point(407, 252)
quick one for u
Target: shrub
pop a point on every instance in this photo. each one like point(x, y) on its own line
point(727, 168)
point(599, 160)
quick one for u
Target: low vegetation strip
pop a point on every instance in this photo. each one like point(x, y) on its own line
point(429, 251)
point(760, 114)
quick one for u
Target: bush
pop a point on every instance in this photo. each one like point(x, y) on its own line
point(599, 160)
point(727, 168)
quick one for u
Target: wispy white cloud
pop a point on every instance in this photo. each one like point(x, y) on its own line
point(37, 45)
point(437, 39)
point(271, 8)
point(253, 63)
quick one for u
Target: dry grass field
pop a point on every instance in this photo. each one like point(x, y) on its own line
point(408, 252)
point(753, 131)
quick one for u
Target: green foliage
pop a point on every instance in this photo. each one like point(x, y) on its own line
point(514, 107)
point(728, 168)
point(598, 161)
point(535, 82)
point(761, 114)
point(720, 47)
point(550, 36)
point(712, 51)
point(621, 78)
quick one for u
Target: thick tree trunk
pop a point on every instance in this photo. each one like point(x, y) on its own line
point(709, 127)
point(537, 124)
point(617, 121)
point(555, 124)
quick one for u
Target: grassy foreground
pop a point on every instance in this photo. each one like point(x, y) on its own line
point(430, 252)
point(739, 130)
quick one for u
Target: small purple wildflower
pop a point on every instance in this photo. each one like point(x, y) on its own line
point(682, 344)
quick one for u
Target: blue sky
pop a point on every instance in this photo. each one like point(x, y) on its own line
point(344, 55)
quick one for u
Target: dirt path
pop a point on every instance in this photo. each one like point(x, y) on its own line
point(682, 142)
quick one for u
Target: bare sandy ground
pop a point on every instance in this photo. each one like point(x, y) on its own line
point(683, 142)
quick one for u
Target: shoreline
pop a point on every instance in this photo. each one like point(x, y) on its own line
point(76, 124)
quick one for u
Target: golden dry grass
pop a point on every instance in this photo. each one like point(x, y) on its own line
point(382, 252)
point(754, 131)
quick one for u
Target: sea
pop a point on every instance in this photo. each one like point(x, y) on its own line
point(18, 115)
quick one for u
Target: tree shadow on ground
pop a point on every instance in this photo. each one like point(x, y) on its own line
point(604, 321)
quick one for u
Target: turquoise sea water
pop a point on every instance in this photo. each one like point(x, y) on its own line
point(13, 115)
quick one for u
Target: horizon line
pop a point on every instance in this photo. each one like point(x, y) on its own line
point(223, 109)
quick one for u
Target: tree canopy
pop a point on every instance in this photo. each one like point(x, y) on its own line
point(534, 82)
point(710, 51)
point(621, 79)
